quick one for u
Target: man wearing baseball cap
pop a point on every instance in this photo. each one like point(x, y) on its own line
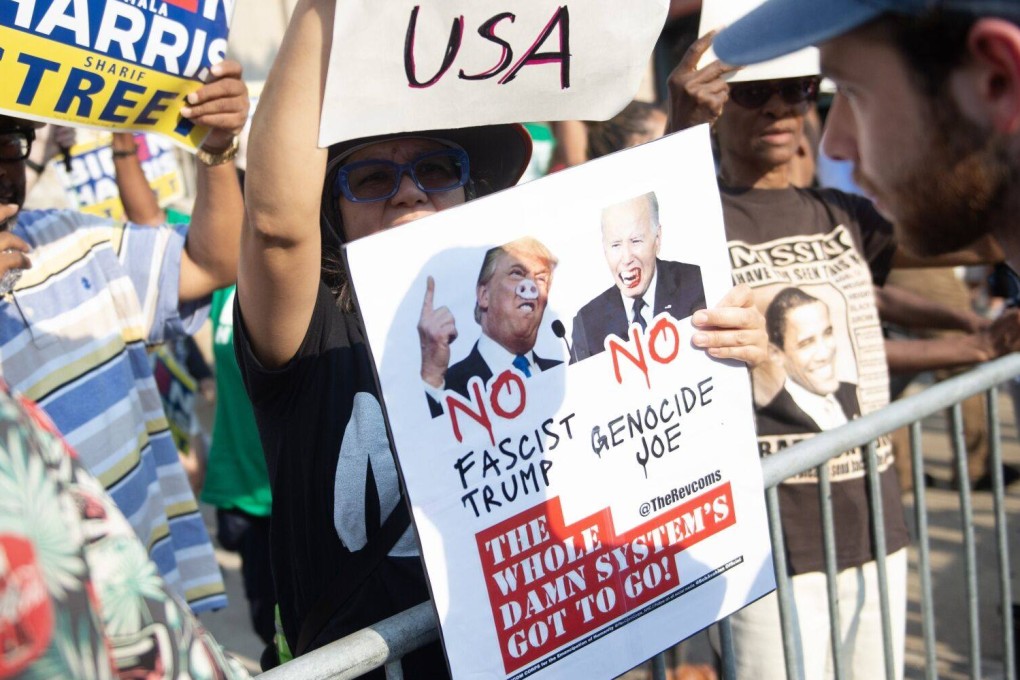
point(928, 109)
point(928, 106)
point(757, 114)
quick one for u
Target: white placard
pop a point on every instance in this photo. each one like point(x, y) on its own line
point(577, 518)
point(716, 14)
point(403, 65)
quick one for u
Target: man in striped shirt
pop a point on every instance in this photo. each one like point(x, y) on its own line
point(92, 295)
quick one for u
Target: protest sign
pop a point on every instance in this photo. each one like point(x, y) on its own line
point(449, 64)
point(91, 184)
point(109, 64)
point(177, 391)
point(587, 507)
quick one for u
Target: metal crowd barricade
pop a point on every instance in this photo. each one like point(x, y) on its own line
point(383, 644)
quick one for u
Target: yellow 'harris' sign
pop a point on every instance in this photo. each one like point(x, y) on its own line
point(110, 64)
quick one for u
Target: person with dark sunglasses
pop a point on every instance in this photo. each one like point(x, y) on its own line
point(793, 91)
point(781, 238)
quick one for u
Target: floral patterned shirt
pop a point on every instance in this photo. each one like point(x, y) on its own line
point(79, 596)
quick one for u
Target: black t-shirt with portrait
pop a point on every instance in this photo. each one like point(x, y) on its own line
point(832, 246)
point(333, 480)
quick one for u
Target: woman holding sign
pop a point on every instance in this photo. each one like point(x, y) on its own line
point(343, 552)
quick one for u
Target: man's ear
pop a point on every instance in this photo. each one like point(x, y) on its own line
point(776, 355)
point(482, 295)
point(991, 79)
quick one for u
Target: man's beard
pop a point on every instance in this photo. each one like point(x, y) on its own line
point(956, 191)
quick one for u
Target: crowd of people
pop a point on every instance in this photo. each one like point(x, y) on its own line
point(98, 517)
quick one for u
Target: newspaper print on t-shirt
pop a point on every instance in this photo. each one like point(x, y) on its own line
point(816, 293)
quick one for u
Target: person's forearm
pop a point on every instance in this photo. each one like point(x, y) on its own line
point(767, 380)
point(284, 134)
point(215, 230)
point(908, 309)
point(140, 204)
point(210, 253)
point(915, 356)
point(281, 249)
point(571, 143)
point(985, 250)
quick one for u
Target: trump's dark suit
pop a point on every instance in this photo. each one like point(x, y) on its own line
point(458, 375)
point(678, 291)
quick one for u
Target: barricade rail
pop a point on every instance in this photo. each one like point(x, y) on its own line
point(383, 644)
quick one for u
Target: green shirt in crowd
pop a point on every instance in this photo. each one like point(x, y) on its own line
point(236, 476)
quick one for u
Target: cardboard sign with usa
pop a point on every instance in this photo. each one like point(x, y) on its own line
point(460, 63)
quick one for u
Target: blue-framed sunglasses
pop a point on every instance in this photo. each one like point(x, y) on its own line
point(373, 180)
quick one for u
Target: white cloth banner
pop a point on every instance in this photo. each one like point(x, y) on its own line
point(402, 65)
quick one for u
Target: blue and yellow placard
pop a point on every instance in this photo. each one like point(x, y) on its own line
point(91, 184)
point(177, 389)
point(110, 64)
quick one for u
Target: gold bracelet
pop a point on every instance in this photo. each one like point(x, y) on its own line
point(221, 157)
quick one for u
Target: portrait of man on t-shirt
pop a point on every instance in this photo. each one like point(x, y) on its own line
point(802, 340)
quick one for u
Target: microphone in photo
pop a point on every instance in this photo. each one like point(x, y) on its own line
point(560, 332)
